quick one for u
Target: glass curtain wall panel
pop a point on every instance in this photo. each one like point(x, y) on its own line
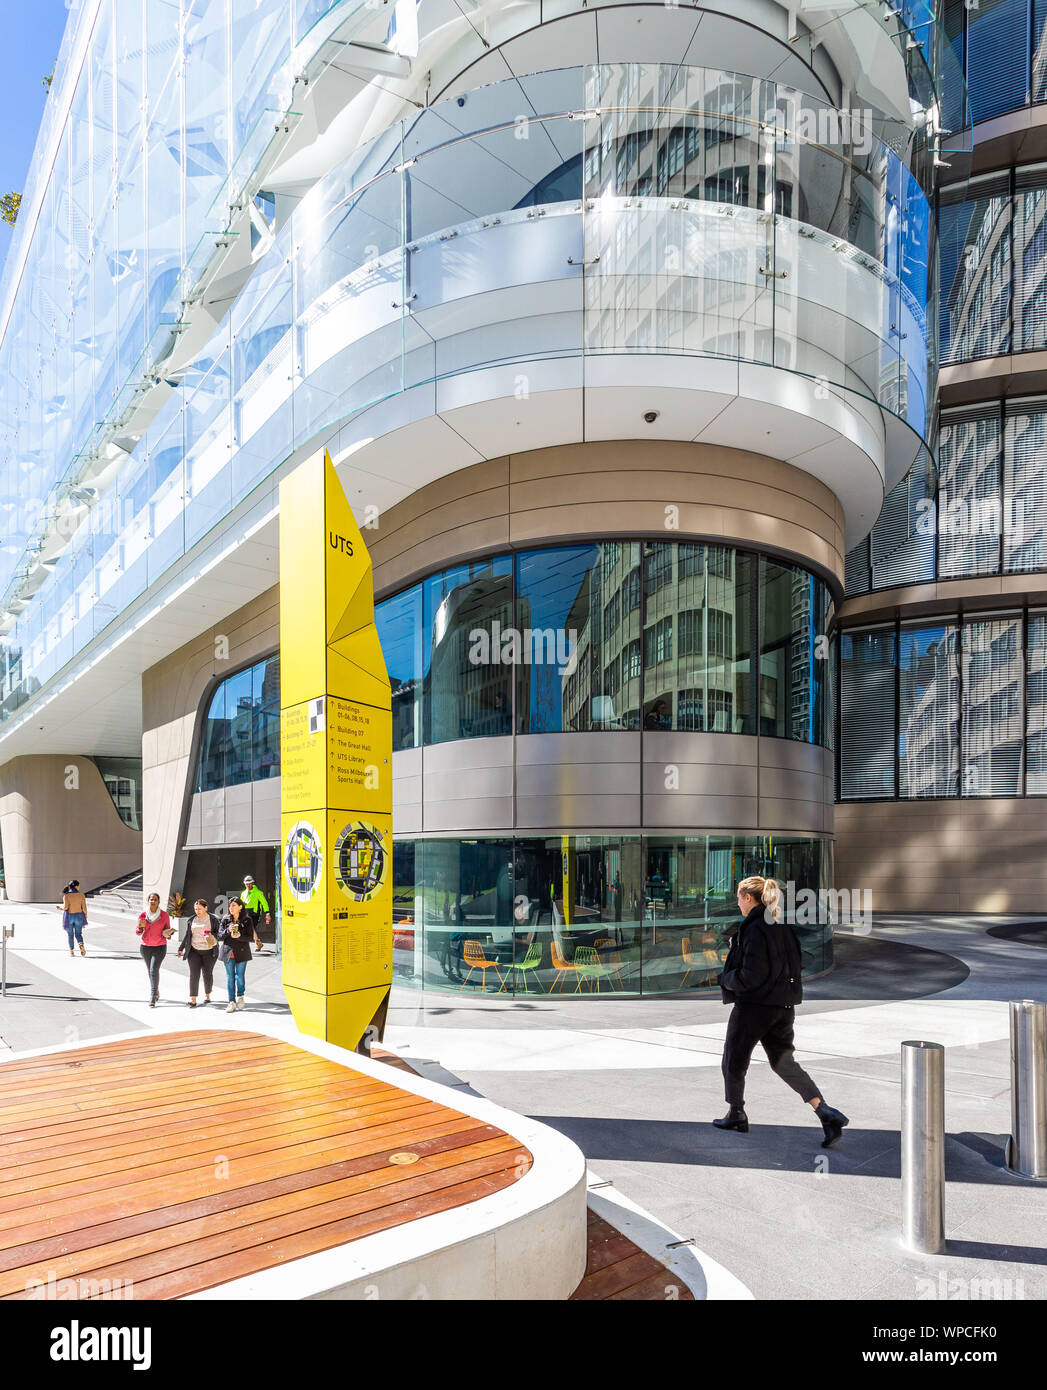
point(1024, 490)
point(997, 56)
point(399, 623)
point(1030, 258)
point(467, 651)
point(1036, 705)
point(794, 651)
point(929, 711)
point(974, 227)
point(868, 730)
point(993, 708)
point(970, 507)
point(578, 623)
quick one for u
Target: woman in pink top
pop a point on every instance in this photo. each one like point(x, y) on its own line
point(154, 927)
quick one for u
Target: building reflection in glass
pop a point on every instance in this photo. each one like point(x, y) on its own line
point(615, 914)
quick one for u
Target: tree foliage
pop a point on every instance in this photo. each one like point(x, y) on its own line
point(9, 205)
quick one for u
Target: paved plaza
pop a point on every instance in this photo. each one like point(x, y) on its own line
point(635, 1083)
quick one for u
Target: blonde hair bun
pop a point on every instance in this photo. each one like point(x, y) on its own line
point(765, 890)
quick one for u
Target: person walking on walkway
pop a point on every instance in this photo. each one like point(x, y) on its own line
point(256, 903)
point(761, 978)
point(154, 927)
point(199, 946)
point(235, 932)
point(74, 915)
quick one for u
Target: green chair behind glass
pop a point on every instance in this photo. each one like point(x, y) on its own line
point(528, 966)
point(586, 960)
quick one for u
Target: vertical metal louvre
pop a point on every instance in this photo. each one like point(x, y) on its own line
point(929, 710)
point(974, 239)
point(997, 56)
point(969, 492)
point(993, 722)
point(867, 714)
point(1036, 705)
point(1030, 257)
point(1024, 491)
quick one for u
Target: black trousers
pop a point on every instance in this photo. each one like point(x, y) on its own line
point(154, 958)
point(771, 1025)
point(201, 962)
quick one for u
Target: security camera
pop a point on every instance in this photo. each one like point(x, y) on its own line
point(461, 101)
point(651, 415)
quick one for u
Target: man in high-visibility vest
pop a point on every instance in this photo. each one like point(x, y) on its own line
point(255, 901)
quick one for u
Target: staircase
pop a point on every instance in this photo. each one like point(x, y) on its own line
point(120, 897)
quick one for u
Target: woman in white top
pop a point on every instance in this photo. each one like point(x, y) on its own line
point(200, 948)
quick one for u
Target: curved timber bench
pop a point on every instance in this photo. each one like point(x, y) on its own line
point(215, 1163)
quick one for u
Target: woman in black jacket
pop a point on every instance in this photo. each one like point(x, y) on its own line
point(235, 932)
point(761, 978)
point(199, 946)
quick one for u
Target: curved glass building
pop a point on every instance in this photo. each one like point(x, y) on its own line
point(632, 331)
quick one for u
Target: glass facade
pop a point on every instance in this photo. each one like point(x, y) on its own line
point(622, 634)
point(240, 738)
point(993, 244)
point(549, 641)
point(953, 707)
point(599, 914)
point(348, 301)
point(988, 515)
point(1001, 48)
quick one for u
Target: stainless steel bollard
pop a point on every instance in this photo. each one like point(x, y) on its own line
point(1027, 1151)
point(923, 1147)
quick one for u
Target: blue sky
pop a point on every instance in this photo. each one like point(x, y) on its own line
point(32, 34)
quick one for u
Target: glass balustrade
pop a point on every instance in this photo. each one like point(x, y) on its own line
point(634, 209)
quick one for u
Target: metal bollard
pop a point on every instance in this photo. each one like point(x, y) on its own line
point(923, 1147)
point(1027, 1150)
point(5, 932)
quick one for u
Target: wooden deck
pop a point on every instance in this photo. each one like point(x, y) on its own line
point(183, 1161)
point(616, 1268)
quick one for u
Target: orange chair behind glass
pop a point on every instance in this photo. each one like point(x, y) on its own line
point(473, 955)
point(709, 960)
point(561, 964)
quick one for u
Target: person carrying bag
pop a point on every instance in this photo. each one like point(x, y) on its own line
point(199, 947)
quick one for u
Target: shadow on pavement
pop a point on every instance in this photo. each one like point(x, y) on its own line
point(873, 1153)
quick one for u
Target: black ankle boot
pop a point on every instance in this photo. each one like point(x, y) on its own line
point(833, 1122)
point(734, 1119)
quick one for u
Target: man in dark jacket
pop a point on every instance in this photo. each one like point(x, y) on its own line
point(761, 978)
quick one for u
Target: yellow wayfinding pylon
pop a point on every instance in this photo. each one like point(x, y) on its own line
point(336, 739)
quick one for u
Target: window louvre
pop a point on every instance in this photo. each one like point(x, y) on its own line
point(929, 710)
point(974, 237)
point(997, 57)
point(992, 707)
point(1024, 494)
point(969, 497)
point(867, 714)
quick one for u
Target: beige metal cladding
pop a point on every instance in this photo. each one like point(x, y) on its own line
point(620, 488)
